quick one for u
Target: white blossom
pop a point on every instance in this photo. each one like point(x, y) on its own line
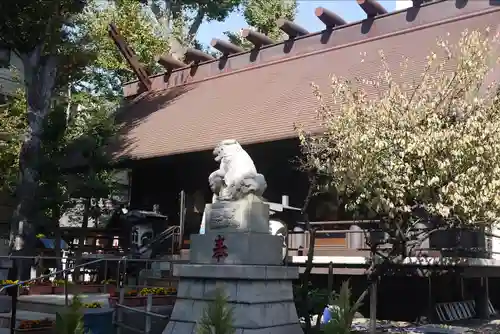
point(433, 144)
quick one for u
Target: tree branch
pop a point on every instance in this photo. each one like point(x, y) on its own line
point(193, 29)
point(10, 45)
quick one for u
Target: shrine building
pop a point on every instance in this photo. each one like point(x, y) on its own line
point(173, 120)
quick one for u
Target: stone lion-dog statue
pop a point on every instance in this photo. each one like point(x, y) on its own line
point(237, 176)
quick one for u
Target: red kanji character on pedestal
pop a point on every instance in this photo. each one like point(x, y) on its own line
point(220, 250)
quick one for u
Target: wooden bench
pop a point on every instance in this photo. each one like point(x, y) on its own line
point(456, 311)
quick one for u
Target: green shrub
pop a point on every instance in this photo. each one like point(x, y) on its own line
point(344, 311)
point(217, 316)
point(71, 321)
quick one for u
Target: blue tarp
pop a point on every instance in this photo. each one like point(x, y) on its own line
point(51, 243)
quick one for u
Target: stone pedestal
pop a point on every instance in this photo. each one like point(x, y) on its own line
point(249, 270)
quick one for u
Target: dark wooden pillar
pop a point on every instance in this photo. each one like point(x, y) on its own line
point(373, 305)
point(482, 298)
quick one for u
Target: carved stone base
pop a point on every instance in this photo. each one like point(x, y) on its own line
point(261, 298)
point(249, 214)
point(241, 248)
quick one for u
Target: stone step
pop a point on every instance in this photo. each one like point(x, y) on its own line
point(56, 303)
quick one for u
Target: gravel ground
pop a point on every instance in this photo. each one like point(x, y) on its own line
point(469, 327)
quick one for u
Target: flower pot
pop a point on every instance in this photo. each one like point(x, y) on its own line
point(84, 288)
point(164, 300)
point(46, 330)
point(98, 321)
point(58, 290)
point(134, 301)
point(109, 288)
point(40, 289)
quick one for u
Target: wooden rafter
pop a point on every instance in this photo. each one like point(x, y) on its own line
point(225, 47)
point(129, 55)
point(256, 38)
point(290, 28)
point(329, 18)
point(371, 7)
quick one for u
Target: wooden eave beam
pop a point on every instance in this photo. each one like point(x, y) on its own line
point(256, 38)
point(371, 7)
point(129, 55)
point(170, 63)
point(417, 3)
point(225, 47)
point(291, 29)
point(196, 55)
point(329, 18)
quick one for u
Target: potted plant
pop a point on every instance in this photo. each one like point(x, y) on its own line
point(97, 319)
point(88, 287)
point(44, 326)
point(132, 298)
point(6, 282)
point(342, 311)
point(40, 287)
point(109, 286)
point(92, 305)
point(161, 296)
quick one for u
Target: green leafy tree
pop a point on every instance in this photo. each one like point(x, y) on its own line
point(142, 33)
point(426, 147)
point(181, 20)
point(40, 33)
point(75, 139)
point(420, 152)
point(12, 126)
point(262, 15)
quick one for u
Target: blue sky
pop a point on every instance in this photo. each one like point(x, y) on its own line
point(348, 9)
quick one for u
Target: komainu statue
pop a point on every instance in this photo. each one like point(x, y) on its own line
point(237, 175)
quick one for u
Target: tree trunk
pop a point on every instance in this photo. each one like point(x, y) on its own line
point(39, 77)
point(56, 215)
point(193, 29)
point(162, 16)
point(81, 239)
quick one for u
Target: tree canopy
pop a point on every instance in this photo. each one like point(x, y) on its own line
point(262, 15)
point(139, 30)
point(431, 145)
point(66, 105)
point(12, 125)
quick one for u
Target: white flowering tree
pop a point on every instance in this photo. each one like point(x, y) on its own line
point(432, 146)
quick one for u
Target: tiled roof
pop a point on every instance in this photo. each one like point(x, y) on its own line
point(258, 97)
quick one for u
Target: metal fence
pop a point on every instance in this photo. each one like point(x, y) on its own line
point(121, 280)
